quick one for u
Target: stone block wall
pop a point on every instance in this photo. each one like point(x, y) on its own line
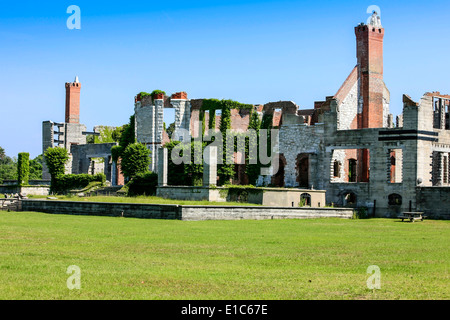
point(190, 213)
point(434, 201)
point(295, 139)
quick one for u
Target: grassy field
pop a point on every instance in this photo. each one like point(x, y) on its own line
point(144, 199)
point(126, 258)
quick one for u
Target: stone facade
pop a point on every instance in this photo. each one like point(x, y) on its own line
point(347, 144)
point(71, 135)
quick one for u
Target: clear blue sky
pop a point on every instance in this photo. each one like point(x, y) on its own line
point(250, 51)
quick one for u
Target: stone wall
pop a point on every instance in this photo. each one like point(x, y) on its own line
point(279, 197)
point(434, 201)
point(180, 212)
point(189, 193)
point(348, 109)
point(287, 197)
point(92, 158)
point(295, 139)
point(38, 190)
point(260, 213)
point(134, 210)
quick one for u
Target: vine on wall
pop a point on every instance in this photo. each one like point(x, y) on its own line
point(23, 168)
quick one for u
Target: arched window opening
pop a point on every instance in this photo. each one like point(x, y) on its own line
point(305, 200)
point(395, 199)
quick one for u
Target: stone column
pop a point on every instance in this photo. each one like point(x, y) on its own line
point(47, 142)
point(210, 166)
point(106, 168)
point(114, 174)
point(163, 166)
point(182, 119)
point(442, 112)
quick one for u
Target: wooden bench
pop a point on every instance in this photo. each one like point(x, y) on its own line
point(412, 216)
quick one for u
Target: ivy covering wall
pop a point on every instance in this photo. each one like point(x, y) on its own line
point(23, 168)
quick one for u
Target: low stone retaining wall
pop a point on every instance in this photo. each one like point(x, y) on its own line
point(190, 193)
point(259, 213)
point(276, 197)
point(112, 209)
point(180, 212)
point(28, 190)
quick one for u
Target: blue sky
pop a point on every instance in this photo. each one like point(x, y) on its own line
point(249, 51)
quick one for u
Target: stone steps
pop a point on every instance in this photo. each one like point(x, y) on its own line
point(10, 205)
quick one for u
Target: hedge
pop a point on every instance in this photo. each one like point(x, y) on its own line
point(67, 182)
point(143, 184)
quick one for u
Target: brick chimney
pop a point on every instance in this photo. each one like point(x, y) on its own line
point(73, 101)
point(369, 53)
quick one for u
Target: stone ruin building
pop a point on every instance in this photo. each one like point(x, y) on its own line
point(71, 135)
point(348, 144)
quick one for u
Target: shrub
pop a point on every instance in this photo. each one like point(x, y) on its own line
point(239, 193)
point(156, 92)
point(67, 182)
point(360, 213)
point(135, 159)
point(56, 159)
point(143, 183)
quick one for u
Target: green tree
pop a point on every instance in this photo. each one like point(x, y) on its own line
point(2, 154)
point(23, 168)
point(36, 168)
point(125, 136)
point(55, 159)
point(225, 171)
point(106, 135)
point(117, 133)
point(170, 130)
point(8, 167)
point(135, 159)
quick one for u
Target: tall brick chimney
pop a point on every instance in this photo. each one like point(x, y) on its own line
point(73, 101)
point(369, 52)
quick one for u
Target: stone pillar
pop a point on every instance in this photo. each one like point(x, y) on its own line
point(182, 117)
point(114, 174)
point(47, 142)
point(210, 166)
point(107, 168)
point(163, 166)
point(442, 113)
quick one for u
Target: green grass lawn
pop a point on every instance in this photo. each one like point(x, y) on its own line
point(126, 258)
point(144, 199)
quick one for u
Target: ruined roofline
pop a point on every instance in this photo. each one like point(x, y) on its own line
point(407, 100)
point(347, 85)
point(437, 94)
